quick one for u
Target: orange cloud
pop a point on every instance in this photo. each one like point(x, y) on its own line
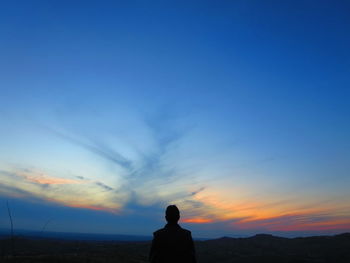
point(197, 220)
point(84, 204)
point(296, 222)
point(91, 207)
point(318, 226)
point(44, 179)
point(67, 192)
point(269, 213)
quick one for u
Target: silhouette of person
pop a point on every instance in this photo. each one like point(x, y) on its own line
point(172, 243)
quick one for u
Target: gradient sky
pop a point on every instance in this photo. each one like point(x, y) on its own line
point(236, 111)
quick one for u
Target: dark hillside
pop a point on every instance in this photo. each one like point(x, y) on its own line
point(268, 248)
point(259, 248)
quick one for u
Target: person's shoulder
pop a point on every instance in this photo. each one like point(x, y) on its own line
point(158, 232)
point(188, 232)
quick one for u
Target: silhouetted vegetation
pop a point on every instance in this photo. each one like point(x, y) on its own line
point(260, 248)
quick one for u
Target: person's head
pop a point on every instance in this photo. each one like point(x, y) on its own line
point(172, 214)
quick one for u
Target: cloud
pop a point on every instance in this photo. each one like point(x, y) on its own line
point(85, 194)
point(153, 177)
point(150, 170)
point(197, 220)
point(197, 191)
point(40, 178)
point(104, 186)
point(297, 222)
point(147, 180)
point(96, 148)
point(13, 191)
point(49, 180)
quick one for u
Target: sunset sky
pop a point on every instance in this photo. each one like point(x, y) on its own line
point(238, 112)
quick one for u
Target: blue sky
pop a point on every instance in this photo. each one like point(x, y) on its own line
point(238, 112)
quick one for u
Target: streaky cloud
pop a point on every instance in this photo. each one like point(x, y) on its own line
point(17, 184)
point(104, 186)
point(48, 180)
point(97, 149)
point(198, 191)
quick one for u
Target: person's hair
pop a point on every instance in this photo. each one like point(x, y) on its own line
point(172, 214)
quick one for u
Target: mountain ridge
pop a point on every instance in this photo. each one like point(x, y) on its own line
point(255, 249)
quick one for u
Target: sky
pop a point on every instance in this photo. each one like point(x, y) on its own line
point(238, 112)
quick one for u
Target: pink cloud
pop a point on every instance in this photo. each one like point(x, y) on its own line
point(43, 179)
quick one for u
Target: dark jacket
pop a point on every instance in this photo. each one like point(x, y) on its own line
point(172, 244)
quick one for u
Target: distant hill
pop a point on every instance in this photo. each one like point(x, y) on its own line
point(269, 248)
point(256, 249)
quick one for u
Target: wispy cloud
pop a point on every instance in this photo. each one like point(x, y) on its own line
point(86, 194)
point(198, 220)
point(297, 222)
point(197, 191)
point(154, 178)
point(96, 148)
point(47, 180)
point(104, 186)
point(149, 176)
